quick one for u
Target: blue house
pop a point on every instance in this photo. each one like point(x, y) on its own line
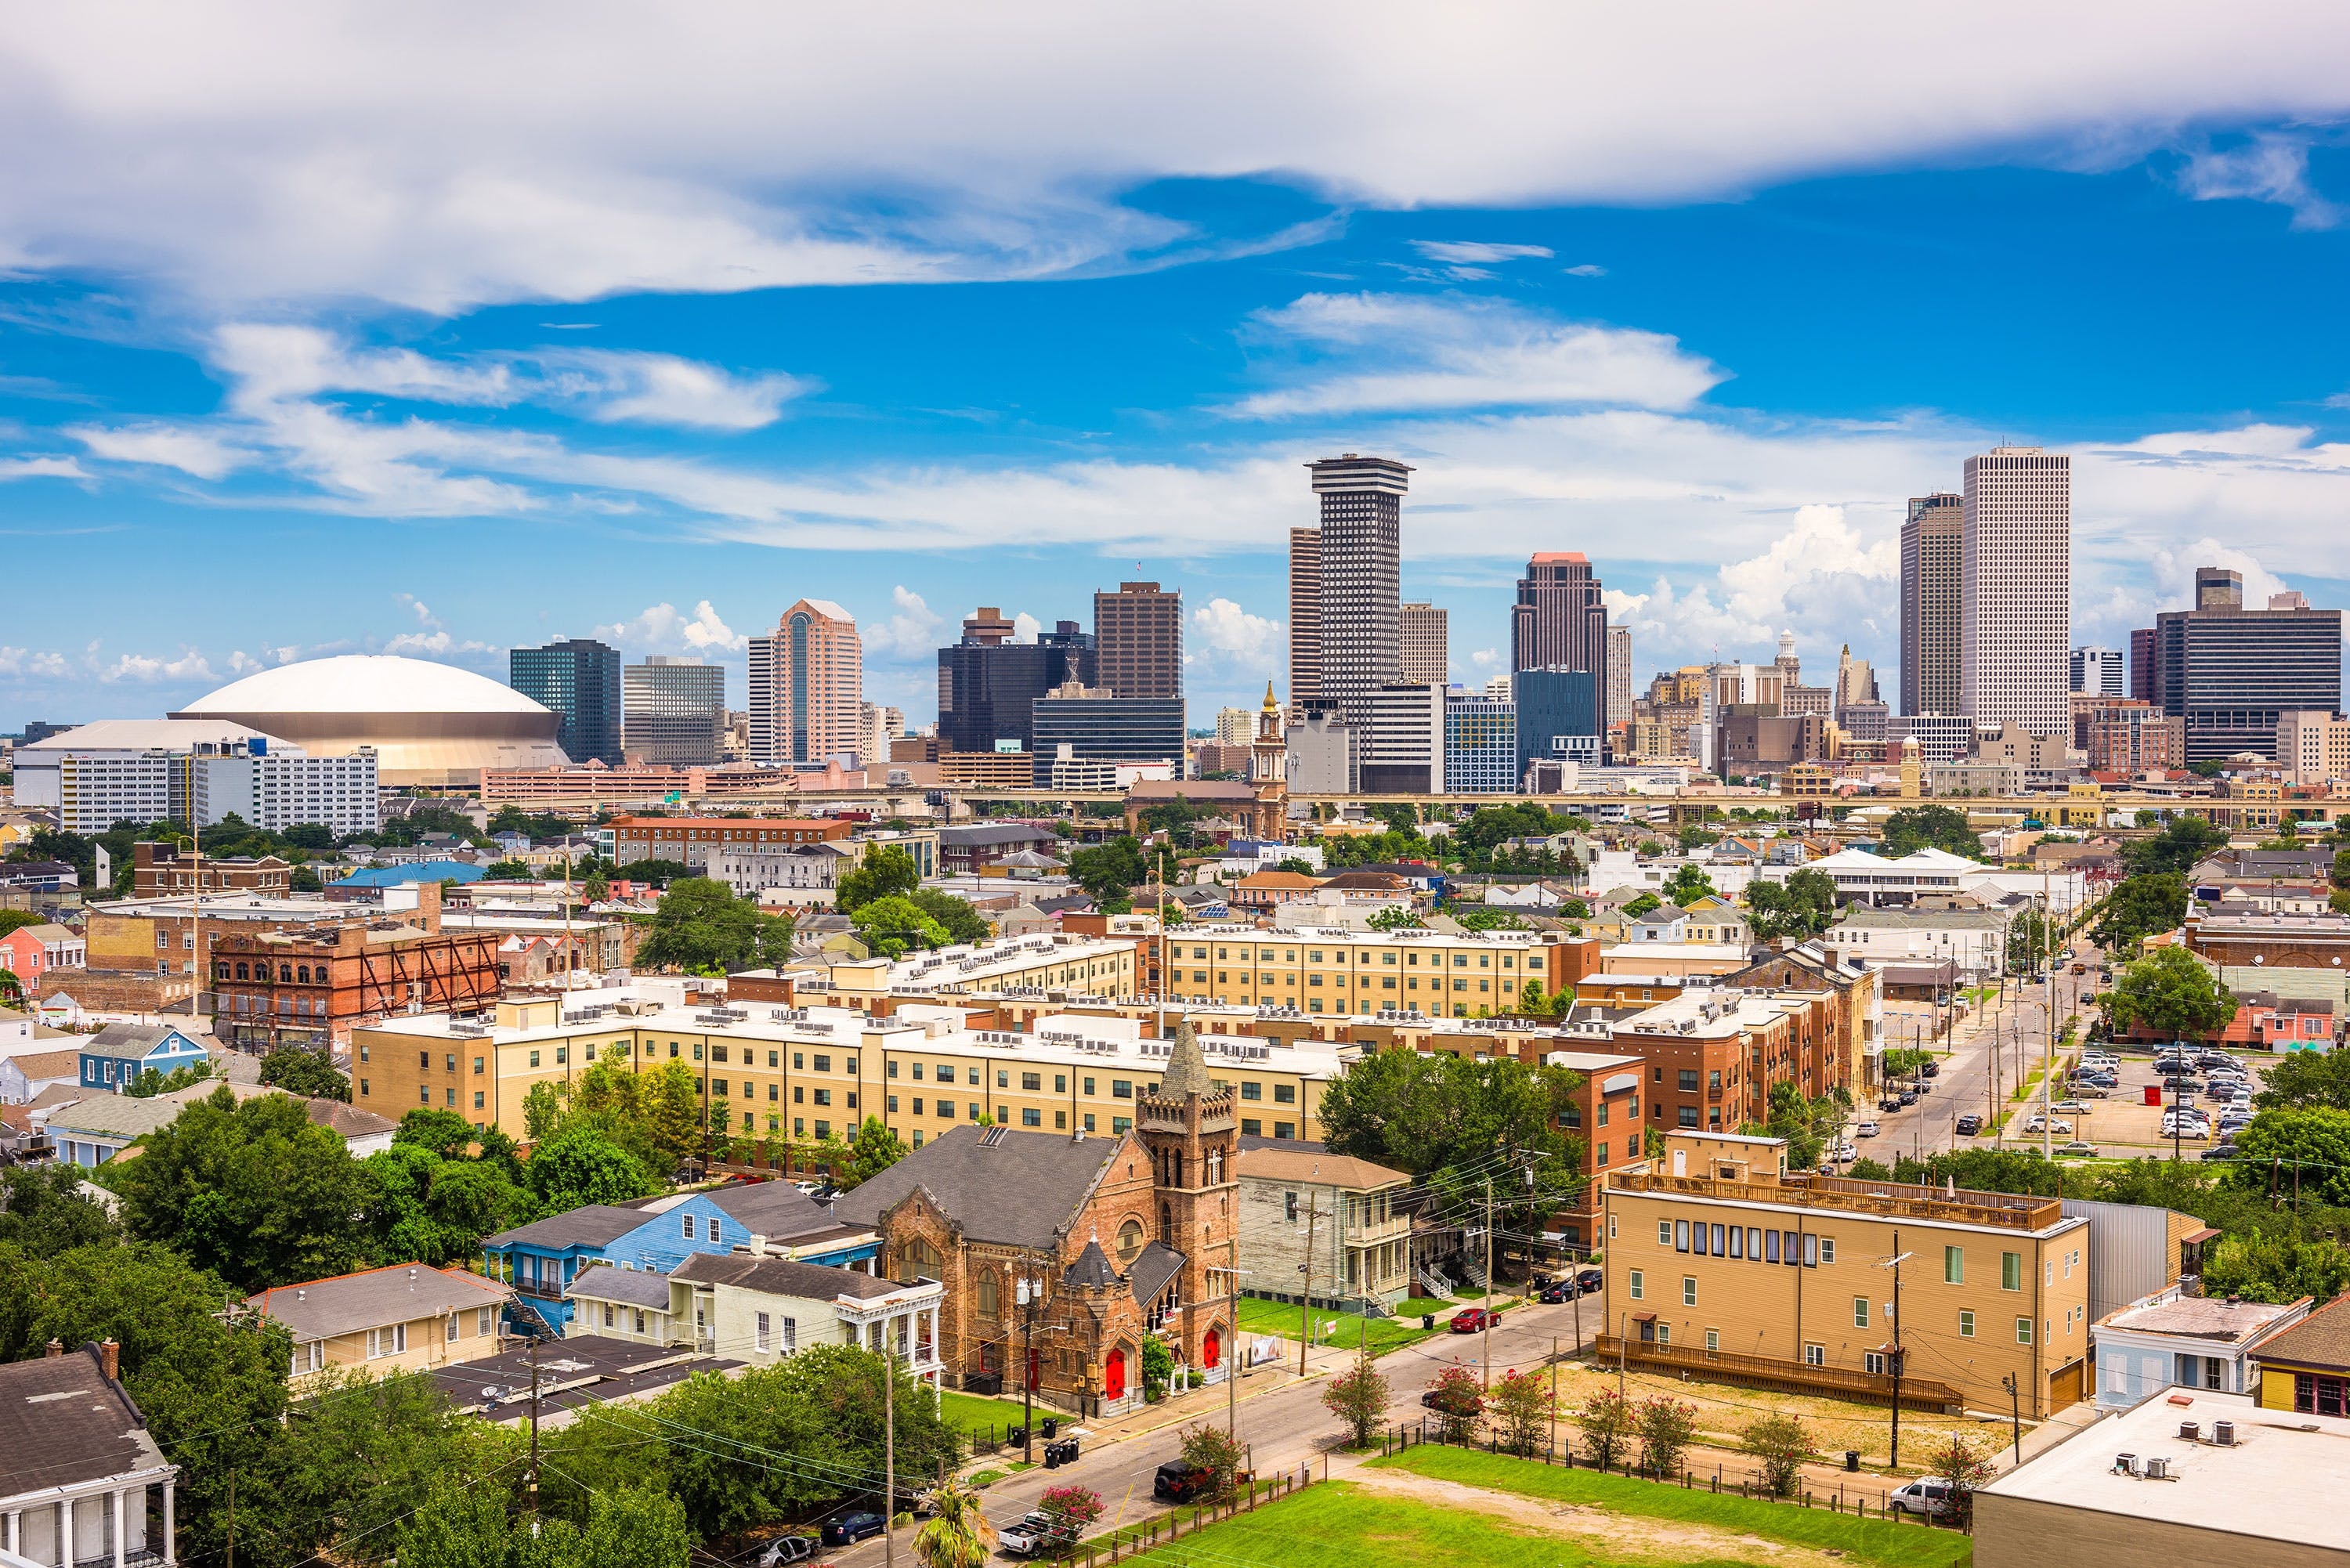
point(113, 1058)
point(654, 1235)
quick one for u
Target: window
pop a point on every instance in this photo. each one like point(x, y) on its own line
point(1633, 1286)
point(1031, 1082)
point(1289, 1205)
point(1664, 1232)
point(1030, 1116)
point(1251, 1128)
point(607, 1314)
point(824, 1097)
point(1827, 1249)
point(1283, 1094)
point(1689, 1290)
point(451, 1332)
point(1873, 1361)
point(2011, 1271)
point(1003, 1079)
point(1689, 1080)
point(1251, 1091)
point(1121, 1089)
point(1688, 1118)
point(2315, 1395)
point(383, 1341)
point(2023, 1331)
point(763, 1331)
point(824, 1064)
point(482, 1319)
point(1860, 1311)
point(312, 1357)
point(1680, 1236)
point(689, 1229)
point(1815, 1355)
point(1954, 1265)
point(987, 1297)
point(1712, 1340)
point(477, 1100)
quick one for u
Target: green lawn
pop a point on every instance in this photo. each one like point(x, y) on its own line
point(1862, 1540)
point(973, 1412)
point(1385, 1332)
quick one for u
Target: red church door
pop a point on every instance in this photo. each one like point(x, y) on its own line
point(1211, 1350)
point(1033, 1383)
point(1114, 1376)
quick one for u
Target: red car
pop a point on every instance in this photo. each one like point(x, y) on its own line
point(1472, 1319)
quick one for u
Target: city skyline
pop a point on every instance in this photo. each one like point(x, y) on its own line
point(1693, 355)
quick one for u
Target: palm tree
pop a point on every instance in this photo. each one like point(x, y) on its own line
point(957, 1534)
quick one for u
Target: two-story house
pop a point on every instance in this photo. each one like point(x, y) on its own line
point(1360, 1247)
point(404, 1318)
point(81, 1479)
point(115, 1056)
point(30, 952)
point(542, 1260)
point(759, 1309)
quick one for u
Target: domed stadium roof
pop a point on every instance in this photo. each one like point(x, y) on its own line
point(363, 683)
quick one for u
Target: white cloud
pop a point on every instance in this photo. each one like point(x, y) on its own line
point(23, 661)
point(159, 445)
point(1820, 576)
point(429, 158)
point(1231, 647)
point(663, 390)
point(2173, 571)
point(437, 644)
point(1025, 627)
point(911, 630)
point(269, 364)
point(1476, 253)
point(2267, 168)
point(41, 468)
point(1384, 351)
point(662, 627)
point(1585, 269)
point(189, 666)
point(1486, 659)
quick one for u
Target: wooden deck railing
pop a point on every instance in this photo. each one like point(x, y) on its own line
point(1772, 1372)
point(1886, 1200)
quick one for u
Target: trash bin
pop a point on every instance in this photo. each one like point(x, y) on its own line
point(1852, 1460)
point(1428, 1319)
point(1015, 1437)
point(1052, 1456)
point(1052, 1428)
point(1068, 1450)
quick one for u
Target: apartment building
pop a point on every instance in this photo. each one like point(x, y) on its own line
point(1328, 970)
point(1720, 1262)
point(2313, 746)
point(1714, 1053)
point(1360, 1249)
point(688, 840)
point(310, 987)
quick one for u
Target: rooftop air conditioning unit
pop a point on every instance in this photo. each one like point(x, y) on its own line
point(2156, 1468)
point(2224, 1433)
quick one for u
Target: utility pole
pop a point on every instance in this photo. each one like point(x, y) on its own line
point(1028, 1294)
point(1554, 1391)
point(1894, 1356)
point(2015, 1412)
point(888, 1449)
point(532, 1501)
point(1489, 1282)
point(1305, 1289)
point(1232, 1327)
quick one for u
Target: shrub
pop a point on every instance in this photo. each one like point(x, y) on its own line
point(1666, 1426)
point(1457, 1402)
point(1357, 1396)
point(1215, 1450)
point(1781, 1444)
point(1519, 1407)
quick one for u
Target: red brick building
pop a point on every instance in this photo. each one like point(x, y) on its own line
point(689, 839)
point(309, 987)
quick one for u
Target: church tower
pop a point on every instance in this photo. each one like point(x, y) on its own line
point(1188, 1126)
point(1269, 772)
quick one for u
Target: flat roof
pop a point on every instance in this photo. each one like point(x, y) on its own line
point(2278, 1481)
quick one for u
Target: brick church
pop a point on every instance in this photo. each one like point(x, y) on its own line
point(1110, 1240)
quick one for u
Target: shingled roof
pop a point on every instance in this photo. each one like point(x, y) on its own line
point(63, 1421)
point(1019, 1189)
point(1187, 1070)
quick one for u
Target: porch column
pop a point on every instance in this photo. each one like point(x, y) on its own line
point(65, 1532)
point(8, 1531)
point(118, 1527)
point(170, 1538)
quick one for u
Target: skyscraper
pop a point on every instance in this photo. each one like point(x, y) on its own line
point(1427, 643)
point(1619, 674)
point(1933, 603)
point(1558, 716)
point(671, 711)
point(2141, 664)
point(807, 688)
point(1359, 615)
point(1559, 622)
point(2231, 673)
point(2018, 590)
point(988, 684)
point(1138, 639)
point(2097, 669)
point(1306, 618)
point(578, 677)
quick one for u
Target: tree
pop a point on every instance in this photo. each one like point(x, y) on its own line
point(1519, 1409)
point(1931, 827)
point(2183, 841)
point(887, 871)
point(1780, 1444)
point(1358, 1397)
point(1644, 903)
point(1108, 872)
point(1802, 906)
point(253, 1191)
point(1666, 1426)
point(1804, 1122)
point(957, 1534)
point(579, 1167)
point(1458, 1400)
point(303, 1071)
point(442, 1133)
point(2306, 1079)
point(17, 920)
point(150, 1083)
point(2170, 993)
point(1294, 865)
point(1962, 1467)
point(2030, 942)
point(2276, 1267)
point(893, 926)
point(1607, 1425)
point(44, 1211)
point(1158, 1366)
point(2310, 1144)
point(432, 1211)
point(1207, 1447)
point(873, 1149)
point(1395, 918)
point(2139, 907)
point(509, 871)
point(963, 923)
point(1687, 884)
point(702, 928)
point(1071, 1508)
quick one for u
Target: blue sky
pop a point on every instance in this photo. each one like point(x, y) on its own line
point(320, 338)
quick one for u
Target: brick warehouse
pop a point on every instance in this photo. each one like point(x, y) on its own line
point(1126, 1237)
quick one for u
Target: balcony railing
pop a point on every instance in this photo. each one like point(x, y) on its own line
point(1886, 1200)
point(1774, 1371)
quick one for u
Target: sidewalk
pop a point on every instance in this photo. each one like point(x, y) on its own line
point(1181, 1410)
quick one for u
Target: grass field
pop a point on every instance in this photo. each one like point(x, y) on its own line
point(973, 1412)
point(1339, 1526)
point(1385, 1332)
point(1859, 1540)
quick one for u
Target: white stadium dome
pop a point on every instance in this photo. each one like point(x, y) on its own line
point(431, 725)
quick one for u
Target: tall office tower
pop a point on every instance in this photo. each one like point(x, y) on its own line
point(1361, 551)
point(578, 677)
point(1559, 622)
point(1138, 639)
point(1427, 643)
point(2018, 590)
point(1305, 619)
point(1405, 755)
point(1933, 602)
point(2232, 673)
point(671, 711)
point(1480, 741)
point(988, 684)
point(1619, 674)
point(807, 688)
point(2141, 663)
point(1234, 726)
point(2097, 671)
point(877, 725)
point(1558, 717)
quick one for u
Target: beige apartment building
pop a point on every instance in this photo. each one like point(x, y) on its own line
point(1720, 1263)
point(1326, 970)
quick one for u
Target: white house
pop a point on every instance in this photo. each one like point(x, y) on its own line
point(81, 1479)
point(1973, 939)
point(2169, 1340)
point(748, 1306)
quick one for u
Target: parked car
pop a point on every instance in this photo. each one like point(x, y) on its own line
point(2070, 1107)
point(851, 1528)
point(2090, 1089)
point(2219, 1151)
point(1178, 1482)
point(1927, 1498)
point(1969, 1125)
point(2077, 1149)
point(2044, 1124)
point(1908, 1097)
point(1582, 1282)
point(1891, 1102)
point(786, 1550)
point(1470, 1320)
point(1843, 1150)
point(1037, 1534)
point(1865, 1129)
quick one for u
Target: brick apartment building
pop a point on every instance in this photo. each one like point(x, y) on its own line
point(311, 987)
point(689, 839)
point(160, 870)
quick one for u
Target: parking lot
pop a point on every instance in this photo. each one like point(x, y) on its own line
point(2121, 1122)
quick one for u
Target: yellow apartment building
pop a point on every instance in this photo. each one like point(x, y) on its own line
point(1326, 970)
point(1722, 1263)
